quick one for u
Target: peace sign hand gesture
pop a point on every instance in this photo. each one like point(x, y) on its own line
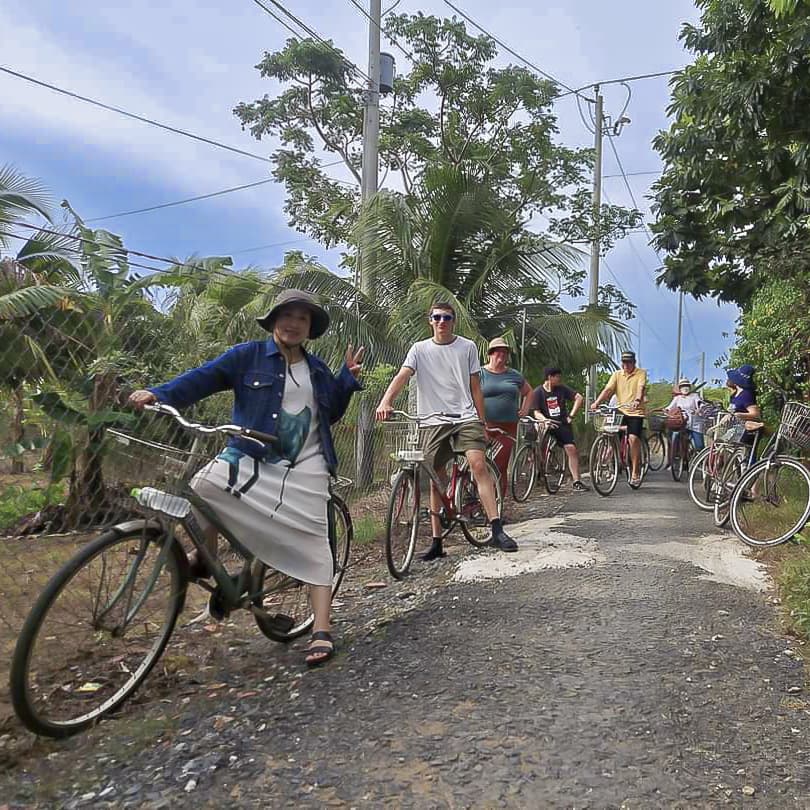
point(354, 360)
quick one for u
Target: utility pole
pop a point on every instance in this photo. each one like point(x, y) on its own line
point(593, 296)
point(680, 337)
point(703, 367)
point(638, 346)
point(364, 451)
point(523, 341)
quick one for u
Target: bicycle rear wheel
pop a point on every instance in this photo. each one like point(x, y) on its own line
point(554, 466)
point(604, 465)
point(402, 523)
point(285, 613)
point(732, 472)
point(658, 451)
point(97, 629)
point(771, 503)
point(678, 461)
point(473, 520)
point(700, 481)
point(524, 473)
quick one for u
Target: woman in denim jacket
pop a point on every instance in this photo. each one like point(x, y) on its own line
point(274, 497)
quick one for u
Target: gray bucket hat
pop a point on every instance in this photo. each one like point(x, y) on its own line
point(320, 317)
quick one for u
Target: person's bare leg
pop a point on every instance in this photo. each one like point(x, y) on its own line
point(573, 461)
point(635, 457)
point(320, 598)
point(484, 482)
point(195, 560)
point(436, 550)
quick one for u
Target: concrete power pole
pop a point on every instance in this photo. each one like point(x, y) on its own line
point(364, 467)
point(593, 295)
point(680, 338)
point(702, 367)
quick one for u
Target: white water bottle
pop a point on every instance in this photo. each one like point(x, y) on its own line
point(162, 501)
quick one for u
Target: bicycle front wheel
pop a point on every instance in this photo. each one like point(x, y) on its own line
point(284, 607)
point(732, 472)
point(678, 461)
point(473, 520)
point(524, 473)
point(771, 503)
point(554, 465)
point(402, 523)
point(700, 481)
point(658, 451)
point(604, 465)
point(96, 630)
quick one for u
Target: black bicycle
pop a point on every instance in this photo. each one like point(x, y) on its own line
point(103, 621)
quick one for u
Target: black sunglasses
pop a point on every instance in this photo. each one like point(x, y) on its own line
point(441, 316)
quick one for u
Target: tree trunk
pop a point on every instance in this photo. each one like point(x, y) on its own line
point(364, 446)
point(18, 429)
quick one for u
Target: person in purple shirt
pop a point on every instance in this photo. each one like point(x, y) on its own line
point(740, 382)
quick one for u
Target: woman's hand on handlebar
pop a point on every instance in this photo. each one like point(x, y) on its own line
point(383, 412)
point(138, 399)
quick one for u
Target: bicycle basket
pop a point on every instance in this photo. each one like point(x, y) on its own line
point(732, 433)
point(133, 461)
point(795, 424)
point(658, 422)
point(609, 422)
point(700, 424)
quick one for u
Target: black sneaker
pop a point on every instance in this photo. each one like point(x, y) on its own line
point(503, 542)
point(580, 487)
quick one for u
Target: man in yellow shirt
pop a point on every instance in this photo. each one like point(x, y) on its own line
point(630, 387)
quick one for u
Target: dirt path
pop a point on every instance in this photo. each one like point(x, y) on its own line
point(631, 677)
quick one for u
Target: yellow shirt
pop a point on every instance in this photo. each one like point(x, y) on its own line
point(628, 388)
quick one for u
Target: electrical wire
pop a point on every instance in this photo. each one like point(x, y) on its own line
point(631, 174)
point(619, 81)
point(382, 30)
point(143, 119)
point(514, 53)
point(311, 32)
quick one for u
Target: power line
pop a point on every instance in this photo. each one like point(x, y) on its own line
point(631, 174)
point(514, 53)
point(181, 202)
point(620, 81)
point(311, 32)
point(134, 116)
point(382, 30)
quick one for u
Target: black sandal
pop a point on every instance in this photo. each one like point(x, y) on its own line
point(325, 653)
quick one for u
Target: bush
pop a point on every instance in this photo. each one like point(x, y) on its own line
point(794, 587)
point(17, 502)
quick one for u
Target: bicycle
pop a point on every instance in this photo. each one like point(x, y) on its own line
point(460, 507)
point(610, 453)
point(771, 502)
point(541, 454)
point(71, 666)
point(657, 443)
point(705, 467)
point(731, 458)
point(681, 452)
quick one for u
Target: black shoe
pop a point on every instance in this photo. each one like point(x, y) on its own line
point(502, 541)
point(435, 552)
point(580, 487)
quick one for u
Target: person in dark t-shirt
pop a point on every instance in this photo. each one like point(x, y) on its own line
point(550, 401)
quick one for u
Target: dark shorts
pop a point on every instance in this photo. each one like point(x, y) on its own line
point(634, 425)
point(563, 434)
point(442, 442)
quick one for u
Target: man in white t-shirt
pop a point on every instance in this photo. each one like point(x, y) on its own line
point(447, 380)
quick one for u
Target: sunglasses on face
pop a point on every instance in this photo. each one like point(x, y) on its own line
point(441, 316)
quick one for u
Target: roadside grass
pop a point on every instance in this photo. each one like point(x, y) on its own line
point(17, 500)
point(367, 529)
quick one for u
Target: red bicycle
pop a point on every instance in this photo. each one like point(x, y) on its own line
point(611, 451)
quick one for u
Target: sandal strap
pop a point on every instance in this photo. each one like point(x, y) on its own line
point(322, 635)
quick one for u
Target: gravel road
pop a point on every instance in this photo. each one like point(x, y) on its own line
point(648, 671)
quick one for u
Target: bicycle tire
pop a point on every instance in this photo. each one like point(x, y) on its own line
point(526, 455)
point(677, 461)
point(74, 665)
point(402, 503)
point(738, 503)
point(469, 508)
point(604, 457)
point(732, 472)
point(658, 451)
point(644, 463)
point(553, 466)
point(699, 481)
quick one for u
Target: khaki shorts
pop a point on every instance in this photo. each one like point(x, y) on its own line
point(441, 442)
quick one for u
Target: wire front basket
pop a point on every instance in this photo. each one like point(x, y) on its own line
point(658, 423)
point(609, 422)
point(795, 424)
point(731, 432)
point(132, 461)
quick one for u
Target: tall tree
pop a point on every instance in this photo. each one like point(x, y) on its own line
point(733, 203)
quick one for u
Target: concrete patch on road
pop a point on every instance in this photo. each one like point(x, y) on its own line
point(622, 516)
point(539, 549)
point(719, 555)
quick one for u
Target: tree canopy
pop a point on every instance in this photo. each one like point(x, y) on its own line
point(733, 204)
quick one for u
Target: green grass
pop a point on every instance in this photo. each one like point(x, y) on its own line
point(18, 501)
point(794, 587)
point(367, 529)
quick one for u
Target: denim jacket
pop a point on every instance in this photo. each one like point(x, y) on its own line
point(256, 373)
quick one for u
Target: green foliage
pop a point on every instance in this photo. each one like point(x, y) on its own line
point(367, 529)
point(17, 501)
point(773, 336)
point(733, 204)
point(794, 589)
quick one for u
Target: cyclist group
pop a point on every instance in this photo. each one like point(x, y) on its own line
point(275, 495)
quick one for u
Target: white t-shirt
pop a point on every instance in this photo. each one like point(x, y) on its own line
point(443, 372)
point(688, 403)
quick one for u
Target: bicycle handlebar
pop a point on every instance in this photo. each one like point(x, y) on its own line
point(530, 420)
point(257, 436)
point(424, 417)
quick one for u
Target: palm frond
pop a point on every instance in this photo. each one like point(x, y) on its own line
point(26, 301)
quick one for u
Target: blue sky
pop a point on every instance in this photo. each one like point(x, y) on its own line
point(188, 65)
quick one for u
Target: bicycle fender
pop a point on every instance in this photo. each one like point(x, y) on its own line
point(133, 525)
